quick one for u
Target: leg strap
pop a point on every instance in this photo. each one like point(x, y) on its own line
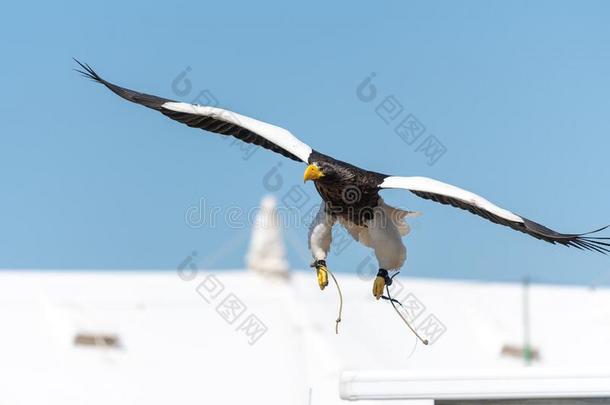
point(384, 274)
point(318, 263)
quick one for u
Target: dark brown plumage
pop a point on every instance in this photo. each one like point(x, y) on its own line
point(348, 191)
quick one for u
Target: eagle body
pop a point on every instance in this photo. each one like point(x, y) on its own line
point(348, 192)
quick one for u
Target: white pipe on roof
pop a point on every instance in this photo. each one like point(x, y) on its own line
point(480, 384)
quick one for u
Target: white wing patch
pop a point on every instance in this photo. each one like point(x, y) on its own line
point(437, 187)
point(279, 136)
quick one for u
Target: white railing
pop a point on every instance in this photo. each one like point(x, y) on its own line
point(525, 383)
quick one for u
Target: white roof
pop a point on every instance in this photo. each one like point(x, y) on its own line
point(177, 348)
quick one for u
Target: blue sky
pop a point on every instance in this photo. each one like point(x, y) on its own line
point(516, 92)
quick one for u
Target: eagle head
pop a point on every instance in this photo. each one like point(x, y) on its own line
point(319, 170)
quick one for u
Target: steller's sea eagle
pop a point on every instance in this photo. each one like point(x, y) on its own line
point(350, 194)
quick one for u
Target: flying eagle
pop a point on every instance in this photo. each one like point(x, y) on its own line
point(350, 194)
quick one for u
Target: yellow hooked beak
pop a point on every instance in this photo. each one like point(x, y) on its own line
point(312, 172)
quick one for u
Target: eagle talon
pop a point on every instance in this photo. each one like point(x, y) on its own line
point(380, 282)
point(321, 272)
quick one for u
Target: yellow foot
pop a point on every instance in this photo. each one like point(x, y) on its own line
point(380, 282)
point(321, 272)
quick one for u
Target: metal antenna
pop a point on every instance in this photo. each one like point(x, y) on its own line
point(527, 349)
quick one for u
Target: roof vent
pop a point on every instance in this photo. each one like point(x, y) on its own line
point(102, 340)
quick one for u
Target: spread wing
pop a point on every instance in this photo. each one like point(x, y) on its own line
point(447, 194)
point(214, 119)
